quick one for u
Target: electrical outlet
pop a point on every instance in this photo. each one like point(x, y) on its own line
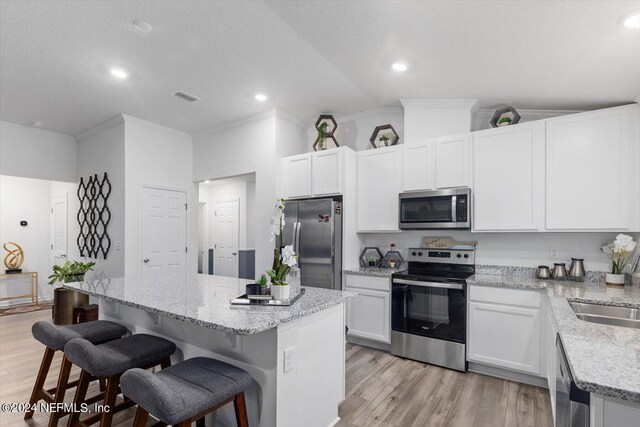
point(554, 253)
point(118, 245)
point(289, 359)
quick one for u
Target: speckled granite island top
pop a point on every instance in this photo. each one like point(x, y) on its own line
point(603, 359)
point(204, 300)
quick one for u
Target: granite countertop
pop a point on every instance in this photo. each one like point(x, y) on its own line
point(204, 300)
point(376, 271)
point(604, 359)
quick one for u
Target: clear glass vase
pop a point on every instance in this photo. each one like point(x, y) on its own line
point(293, 279)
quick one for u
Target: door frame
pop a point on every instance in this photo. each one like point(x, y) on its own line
point(52, 226)
point(215, 243)
point(205, 231)
point(139, 231)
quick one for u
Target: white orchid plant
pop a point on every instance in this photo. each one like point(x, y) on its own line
point(619, 252)
point(284, 258)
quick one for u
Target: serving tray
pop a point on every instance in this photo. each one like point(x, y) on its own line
point(264, 300)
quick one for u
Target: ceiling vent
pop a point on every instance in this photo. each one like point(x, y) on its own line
point(186, 97)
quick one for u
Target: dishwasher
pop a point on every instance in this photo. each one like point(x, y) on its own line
point(572, 404)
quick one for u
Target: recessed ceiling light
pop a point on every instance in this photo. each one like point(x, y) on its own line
point(207, 181)
point(631, 19)
point(119, 73)
point(399, 66)
point(145, 27)
point(261, 97)
point(37, 124)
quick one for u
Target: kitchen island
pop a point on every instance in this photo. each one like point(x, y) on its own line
point(305, 389)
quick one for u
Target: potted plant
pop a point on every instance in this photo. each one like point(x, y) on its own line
point(505, 121)
point(64, 300)
point(619, 251)
point(322, 136)
point(263, 282)
point(385, 138)
point(283, 258)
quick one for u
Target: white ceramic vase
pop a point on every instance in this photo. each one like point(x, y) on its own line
point(615, 279)
point(280, 293)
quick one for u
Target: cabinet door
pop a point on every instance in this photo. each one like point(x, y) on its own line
point(588, 170)
point(378, 189)
point(326, 172)
point(451, 156)
point(504, 336)
point(368, 315)
point(508, 178)
point(296, 176)
point(417, 166)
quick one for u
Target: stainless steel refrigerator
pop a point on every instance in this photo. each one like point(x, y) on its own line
point(314, 228)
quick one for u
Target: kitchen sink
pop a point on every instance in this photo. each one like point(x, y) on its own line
point(607, 314)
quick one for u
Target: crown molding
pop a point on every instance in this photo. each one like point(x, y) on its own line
point(471, 104)
point(32, 129)
point(176, 132)
point(264, 115)
point(369, 113)
point(100, 127)
point(290, 119)
point(539, 113)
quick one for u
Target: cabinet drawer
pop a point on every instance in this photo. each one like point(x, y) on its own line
point(520, 297)
point(368, 282)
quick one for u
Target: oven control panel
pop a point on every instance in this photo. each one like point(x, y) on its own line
point(446, 256)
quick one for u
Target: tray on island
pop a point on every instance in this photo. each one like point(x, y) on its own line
point(264, 300)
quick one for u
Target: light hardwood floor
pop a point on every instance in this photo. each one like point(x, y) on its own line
point(382, 390)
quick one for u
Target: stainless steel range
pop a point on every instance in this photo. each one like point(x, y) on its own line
point(429, 306)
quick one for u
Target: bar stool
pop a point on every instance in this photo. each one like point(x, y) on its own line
point(55, 338)
point(187, 391)
point(109, 361)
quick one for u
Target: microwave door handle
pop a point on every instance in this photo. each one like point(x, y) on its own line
point(454, 204)
point(428, 284)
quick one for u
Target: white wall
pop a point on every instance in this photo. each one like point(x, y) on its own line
point(355, 130)
point(162, 157)
point(511, 249)
point(30, 200)
point(100, 150)
point(243, 147)
point(37, 153)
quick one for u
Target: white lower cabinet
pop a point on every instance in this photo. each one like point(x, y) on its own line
point(505, 328)
point(369, 314)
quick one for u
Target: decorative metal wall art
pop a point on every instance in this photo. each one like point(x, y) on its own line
point(326, 126)
point(384, 136)
point(94, 216)
point(504, 117)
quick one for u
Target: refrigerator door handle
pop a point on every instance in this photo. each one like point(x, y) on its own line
point(297, 237)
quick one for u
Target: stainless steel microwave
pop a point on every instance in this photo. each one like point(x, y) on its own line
point(427, 210)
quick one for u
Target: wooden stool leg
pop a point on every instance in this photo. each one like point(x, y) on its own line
point(241, 410)
point(40, 379)
point(78, 399)
point(200, 422)
point(141, 417)
point(165, 363)
point(103, 384)
point(113, 383)
point(61, 388)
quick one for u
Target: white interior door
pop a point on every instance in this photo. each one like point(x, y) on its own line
point(202, 234)
point(163, 234)
point(59, 229)
point(226, 235)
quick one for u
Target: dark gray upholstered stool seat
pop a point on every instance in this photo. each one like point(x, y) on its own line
point(117, 356)
point(185, 390)
point(56, 337)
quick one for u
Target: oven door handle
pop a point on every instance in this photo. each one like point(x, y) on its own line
point(428, 284)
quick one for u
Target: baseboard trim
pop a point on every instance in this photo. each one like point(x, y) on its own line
point(22, 301)
point(334, 422)
point(508, 375)
point(369, 343)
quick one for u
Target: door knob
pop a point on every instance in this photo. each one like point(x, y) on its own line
point(146, 260)
point(63, 256)
point(234, 253)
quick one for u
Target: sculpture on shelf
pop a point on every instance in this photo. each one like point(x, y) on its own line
point(326, 126)
point(14, 259)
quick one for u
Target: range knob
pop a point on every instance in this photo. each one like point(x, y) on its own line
point(459, 256)
point(413, 253)
point(419, 253)
point(466, 255)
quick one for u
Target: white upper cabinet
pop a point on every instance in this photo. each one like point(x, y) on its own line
point(296, 176)
point(378, 189)
point(451, 157)
point(508, 178)
point(316, 174)
point(326, 172)
point(417, 166)
point(588, 176)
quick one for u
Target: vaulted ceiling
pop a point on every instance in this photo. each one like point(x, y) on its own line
point(307, 57)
